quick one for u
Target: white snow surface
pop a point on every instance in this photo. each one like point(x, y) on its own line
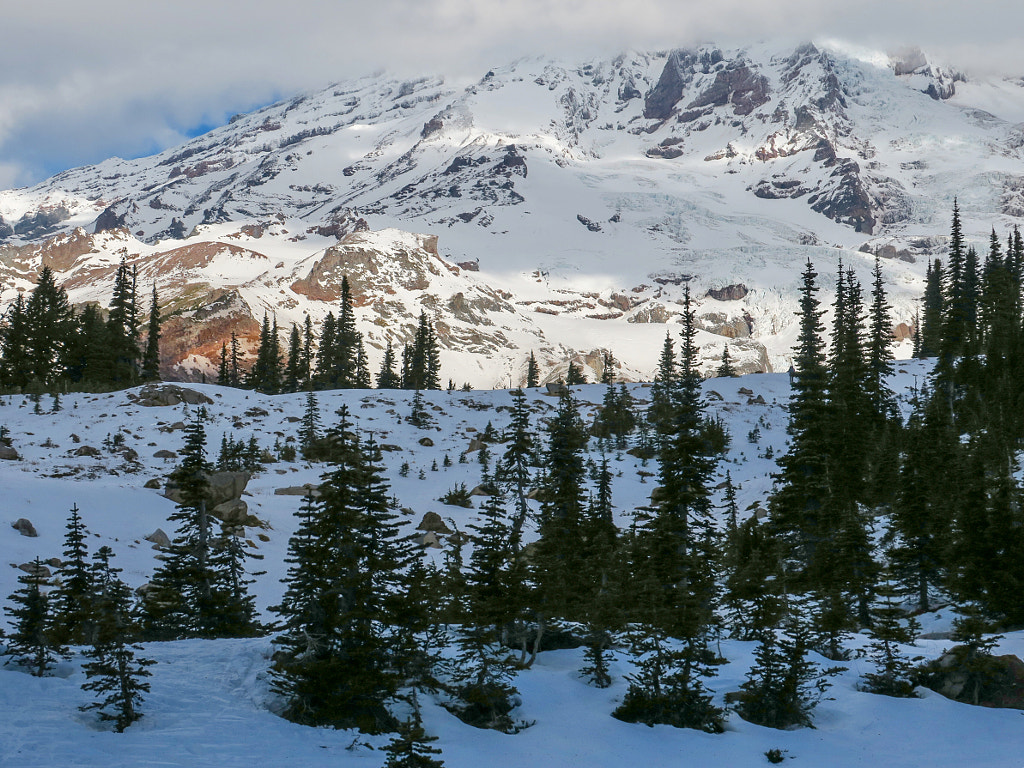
point(563, 180)
point(210, 703)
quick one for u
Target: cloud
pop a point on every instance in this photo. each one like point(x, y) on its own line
point(83, 81)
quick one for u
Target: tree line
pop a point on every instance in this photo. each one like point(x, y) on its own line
point(45, 346)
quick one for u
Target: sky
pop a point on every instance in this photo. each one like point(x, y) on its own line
point(81, 82)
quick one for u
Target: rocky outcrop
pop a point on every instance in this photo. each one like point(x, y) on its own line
point(982, 680)
point(434, 523)
point(157, 395)
point(24, 527)
point(733, 292)
point(223, 487)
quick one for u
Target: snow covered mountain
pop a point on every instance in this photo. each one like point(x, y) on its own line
point(567, 203)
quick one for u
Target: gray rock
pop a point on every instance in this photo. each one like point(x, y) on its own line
point(233, 511)
point(86, 450)
point(7, 452)
point(159, 539)
point(223, 486)
point(426, 442)
point(40, 571)
point(157, 395)
point(165, 454)
point(298, 490)
point(433, 523)
point(152, 484)
point(24, 527)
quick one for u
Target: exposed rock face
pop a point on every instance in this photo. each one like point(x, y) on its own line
point(8, 453)
point(738, 85)
point(159, 539)
point(723, 325)
point(169, 394)
point(729, 293)
point(988, 681)
point(109, 220)
point(24, 527)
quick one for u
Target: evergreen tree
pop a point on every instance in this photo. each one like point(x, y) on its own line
point(607, 367)
point(532, 372)
point(800, 500)
point(114, 672)
point(674, 563)
point(388, 378)
point(293, 366)
point(73, 597)
point(265, 375)
point(306, 356)
point(309, 431)
point(89, 354)
point(338, 664)
point(197, 591)
point(890, 628)
point(933, 312)
point(326, 368)
point(784, 686)
point(575, 374)
point(48, 323)
point(421, 366)
point(32, 643)
point(235, 376)
point(151, 357)
point(493, 599)
point(879, 348)
point(15, 363)
point(223, 371)
point(726, 370)
point(557, 559)
point(123, 327)
point(410, 746)
point(514, 469)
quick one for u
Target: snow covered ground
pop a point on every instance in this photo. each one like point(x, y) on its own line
point(210, 703)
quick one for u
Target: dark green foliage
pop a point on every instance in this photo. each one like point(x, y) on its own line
point(726, 370)
point(890, 628)
point(532, 372)
point(151, 357)
point(114, 673)
point(668, 686)
point(48, 324)
point(293, 366)
point(458, 497)
point(265, 374)
point(783, 687)
point(15, 367)
point(339, 660)
point(32, 642)
point(198, 590)
point(411, 746)
point(493, 601)
point(557, 561)
point(419, 416)
point(72, 600)
point(421, 362)
point(574, 375)
point(388, 378)
point(123, 328)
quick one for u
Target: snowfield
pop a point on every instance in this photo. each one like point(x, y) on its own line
point(210, 703)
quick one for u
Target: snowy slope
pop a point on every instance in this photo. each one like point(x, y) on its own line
point(210, 703)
